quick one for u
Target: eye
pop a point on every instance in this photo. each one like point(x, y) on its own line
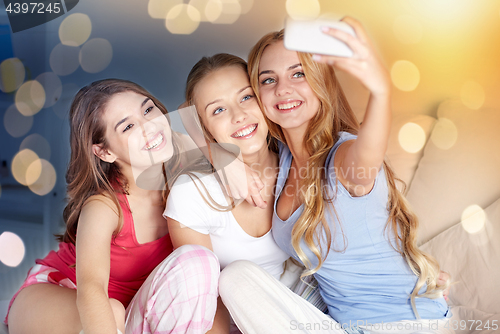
point(246, 97)
point(218, 111)
point(267, 81)
point(147, 111)
point(128, 127)
point(299, 75)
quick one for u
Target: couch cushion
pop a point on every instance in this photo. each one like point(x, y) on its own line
point(404, 161)
point(460, 167)
point(472, 259)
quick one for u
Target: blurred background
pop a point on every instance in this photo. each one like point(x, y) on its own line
point(436, 50)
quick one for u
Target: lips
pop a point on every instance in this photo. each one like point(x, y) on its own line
point(245, 132)
point(288, 106)
point(155, 142)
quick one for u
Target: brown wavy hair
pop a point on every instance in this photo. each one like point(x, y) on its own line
point(87, 175)
point(335, 115)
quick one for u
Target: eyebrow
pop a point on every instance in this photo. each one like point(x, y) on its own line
point(290, 68)
point(125, 119)
point(218, 100)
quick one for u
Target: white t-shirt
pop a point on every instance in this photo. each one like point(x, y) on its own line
point(229, 241)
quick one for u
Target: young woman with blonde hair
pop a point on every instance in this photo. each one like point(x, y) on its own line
point(337, 208)
point(115, 234)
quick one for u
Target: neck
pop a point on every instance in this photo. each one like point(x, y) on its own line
point(295, 142)
point(261, 160)
point(146, 183)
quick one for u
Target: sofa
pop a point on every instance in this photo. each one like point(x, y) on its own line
point(451, 166)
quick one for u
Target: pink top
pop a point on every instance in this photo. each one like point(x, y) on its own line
point(131, 262)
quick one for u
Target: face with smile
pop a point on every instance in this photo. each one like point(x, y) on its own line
point(287, 98)
point(228, 109)
point(137, 133)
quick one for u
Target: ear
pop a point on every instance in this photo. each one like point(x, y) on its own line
point(103, 153)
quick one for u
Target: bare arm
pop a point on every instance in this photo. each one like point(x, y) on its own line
point(96, 225)
point(360, 160)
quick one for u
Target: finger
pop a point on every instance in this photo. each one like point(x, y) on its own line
point(357, 26)
point(351, 41)
point(257, 181)
point(259, 201)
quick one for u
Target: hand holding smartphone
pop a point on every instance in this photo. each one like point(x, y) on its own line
point(307, 36)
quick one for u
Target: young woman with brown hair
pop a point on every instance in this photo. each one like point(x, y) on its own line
point(115, 234)
point(337, 208)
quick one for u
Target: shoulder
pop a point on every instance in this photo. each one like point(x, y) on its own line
point(100, 207)
point(193, 187)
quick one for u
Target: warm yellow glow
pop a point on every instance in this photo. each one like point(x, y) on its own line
point(37, 144)
point(12, 75)
point(158, 9)
point(246, 5)
point(22, 160)
point(11, 249)
point(449, 106)
point(182, 19)
point(16, 124)
point(407, 29)
point(472, 95)
point(75, 29)
point(411, 137)
point(52, 86)
point(30, 98)
point(95, 55)
point(303, 9)
point(46, 180)
point(64, 59)
point(213, 10)
point(473, 219)
point(230, 12)
point(445, 134)
point(201, 6)
point(405, 75)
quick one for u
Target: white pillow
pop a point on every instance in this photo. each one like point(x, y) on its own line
point(472, 259)
point(448, 180)
point(403, 162)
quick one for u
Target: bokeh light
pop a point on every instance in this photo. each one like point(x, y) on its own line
point(64, 59)
point(75, 29)
point(445, 134)
point(37, 144)
point(22, 160)
point(411, 137)
point(46, 181)
point(407, 29)
point(201, 6)
point(52, 86)
point(30, 98)
point(158, 9)
point(12, 75)
point(16, 124)
point(95, 55)
point(228, 11)
point(405, 75)
point(473, 219)
point(472, 95)
point(182, 19)
point(303, 9)
point(246, 6)
point(11, 249)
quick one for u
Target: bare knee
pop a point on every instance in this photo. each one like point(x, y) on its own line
point(118, 312)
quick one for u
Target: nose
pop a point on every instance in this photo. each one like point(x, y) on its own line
point(149, 127)
point(239, 115)
point(283, 87)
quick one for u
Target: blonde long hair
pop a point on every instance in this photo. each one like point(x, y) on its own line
point(334, 116)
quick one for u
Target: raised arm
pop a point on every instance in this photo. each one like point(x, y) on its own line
point(98, 220)
point(359, 161)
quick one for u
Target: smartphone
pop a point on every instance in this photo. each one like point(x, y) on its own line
point(307, 36)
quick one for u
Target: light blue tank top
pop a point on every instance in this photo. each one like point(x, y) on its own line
point(363, 277)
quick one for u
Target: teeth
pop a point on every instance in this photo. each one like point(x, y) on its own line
point(245, 132)
point(288, 105)
point(155, 143)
